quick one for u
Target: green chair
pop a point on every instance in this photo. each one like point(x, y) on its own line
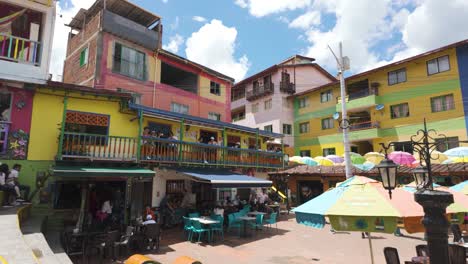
point(194, 215)
point(258, 224)
point(199, 229)
point(233, 223)
point(188, 227)
point(218, 227)
point(272, 220)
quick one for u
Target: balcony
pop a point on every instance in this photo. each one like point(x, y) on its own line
point(287, 87)
point(260, 91)
point(19, 50)
point(363, 130)
point(359, 100)
point(79, 146)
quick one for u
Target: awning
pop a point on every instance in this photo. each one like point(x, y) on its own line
point(101, 172)
point(225, 179)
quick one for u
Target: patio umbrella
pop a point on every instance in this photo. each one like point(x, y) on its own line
point(366, 166)
point(374, 157)
point(401, 157)
point(357, 158)
point(322, 161)
point(296, 159)
point(359, 204)
point(457, 152)
point(309, 161)
point(461, 187)
point(460, 159)
point(336, 159)
point(437, 157)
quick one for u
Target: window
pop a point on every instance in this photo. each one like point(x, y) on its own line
point(397, 76)
point(86, 123)
point(328, 151)
point(437, 65)
point(237, 93)
point(304, 153)
point(304, 127)
point(239, 115)
point(326, 96)
point(268, 104)
point(404, 146)
point(354, 149)
point(129, 62)
point(327, 123)
point(303, 102)
point(399, 110)
point(444, 144)
point(287, 129)
point(255, 108)
point(214, 116)
point(179, 108)
point(442, 103)
point(84, 57)
point(268, 128)
point(214, 88)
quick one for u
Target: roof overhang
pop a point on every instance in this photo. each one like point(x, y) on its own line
point(78, 172)
point(225, 179)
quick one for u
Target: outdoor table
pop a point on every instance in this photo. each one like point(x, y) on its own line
point(205, 220)
point(420, 260)
point(245, 220)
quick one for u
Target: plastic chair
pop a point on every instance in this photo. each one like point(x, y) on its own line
point(218, 227)
point(188, 227)
point(272, 220)
point(198, 228)
point(258, 224)
point(422, 251)
point(457, 254)
point(125, 240)
point(233, 223)
point(391, 255)
point(194, 215)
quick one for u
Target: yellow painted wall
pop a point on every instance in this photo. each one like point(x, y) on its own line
point(204, 90)
point(47, 117)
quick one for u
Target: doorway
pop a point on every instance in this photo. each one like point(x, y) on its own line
point(307, 190)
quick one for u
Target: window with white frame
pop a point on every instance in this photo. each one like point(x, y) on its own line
point(129, 62)
point(399, 110)
point(442, 103)
point(304, 127)
point(437, 65)
point(214, 116)
point(303, 102)
point(327, 123)
point(179, 108)
point(287, 129)
point(326, 96)
point(268, 104)
point(268, 128)
point(397, 76)
point(215, 88)
point(255, 108)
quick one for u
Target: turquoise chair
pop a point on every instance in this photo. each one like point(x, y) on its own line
point(258, 224)
point(233, 223)
point(194, 215)
point(247, 207)
point(217, 227)
point(188, 227)
point(272, 220)
point(199, 229)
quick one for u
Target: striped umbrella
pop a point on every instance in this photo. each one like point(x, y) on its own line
point(457, 152)
point(461, 187)
point(402, 158)
point(460, 159)
point(374, 157)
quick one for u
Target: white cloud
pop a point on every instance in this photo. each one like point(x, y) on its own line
point(199, 19)
point(64, 16)
point(174, 43)
point(260, 8)
point(283, 19)
point(175, 24)
point(213, 45)
point(305, 21)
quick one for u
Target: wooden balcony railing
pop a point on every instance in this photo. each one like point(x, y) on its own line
point(287, 87)
point(159, 150)
point(260, 91)
point(19, 50)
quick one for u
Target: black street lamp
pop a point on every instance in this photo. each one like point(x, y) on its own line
point(434, 202)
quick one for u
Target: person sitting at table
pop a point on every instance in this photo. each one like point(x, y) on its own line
point(149, 220)
point(149, 211)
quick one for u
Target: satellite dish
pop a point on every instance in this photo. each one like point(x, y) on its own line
point(379, 107)
point(336, 116)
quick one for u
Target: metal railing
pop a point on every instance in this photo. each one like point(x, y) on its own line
point(359, 94)
point(19, 50)
point(256, 92)
point(362, 126)
point(160, 150)
point(287, 87)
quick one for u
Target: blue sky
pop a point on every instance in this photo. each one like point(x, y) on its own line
point(242, 37)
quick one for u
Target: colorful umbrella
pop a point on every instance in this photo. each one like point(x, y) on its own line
point(357, 158)
point(309, 161)
point(401, 158)
point(336, 159)
point(461, 187)
point(457, 152)
point(296, 159)
point(460, 159)
point(322, 161)
point(366, 166)
point(437, 157)
point(374, 157)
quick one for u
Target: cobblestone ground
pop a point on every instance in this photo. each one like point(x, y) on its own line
point(292, 244)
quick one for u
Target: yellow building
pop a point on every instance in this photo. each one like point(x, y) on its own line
point(388, 104)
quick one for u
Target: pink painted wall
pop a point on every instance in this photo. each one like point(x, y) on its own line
point(21, 118)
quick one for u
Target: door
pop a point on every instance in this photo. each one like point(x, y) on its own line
point(307, 190)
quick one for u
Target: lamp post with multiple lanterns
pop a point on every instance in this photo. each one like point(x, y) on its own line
point(434, 202)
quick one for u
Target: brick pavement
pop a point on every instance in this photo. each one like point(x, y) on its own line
point(292, 244)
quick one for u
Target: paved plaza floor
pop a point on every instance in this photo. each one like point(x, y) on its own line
point(291, 244)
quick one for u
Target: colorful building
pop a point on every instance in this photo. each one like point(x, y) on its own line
point(261, 100)
point(117, 46)
point(388, 104)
